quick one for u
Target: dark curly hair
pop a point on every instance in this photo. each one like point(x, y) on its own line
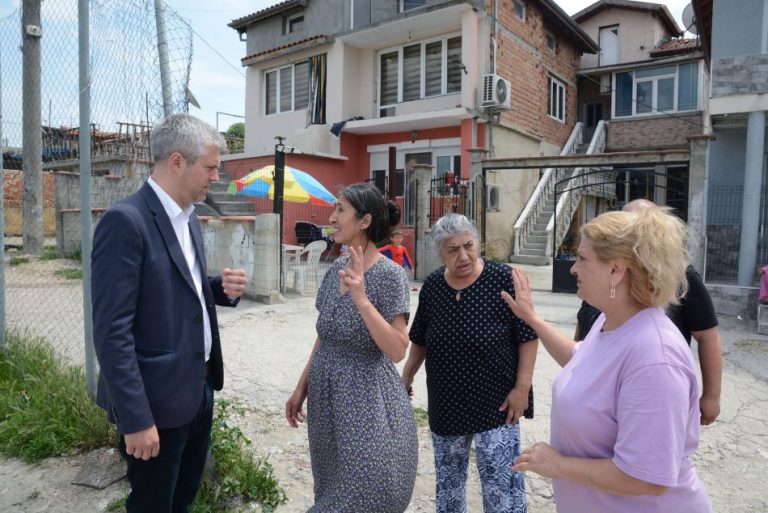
point(365, 198)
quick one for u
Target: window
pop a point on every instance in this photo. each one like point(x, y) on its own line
point(520, 9)
point(447, 169)
point(407, 5)
point(287, 89)
point(419, 70)
point(551, 44)
point(294, 23)
point(652, 90)
point(556, 99)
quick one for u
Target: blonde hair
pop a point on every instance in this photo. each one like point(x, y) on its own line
point(652, 244)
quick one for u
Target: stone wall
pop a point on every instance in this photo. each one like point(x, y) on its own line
point(745, 74)
point(734, 300)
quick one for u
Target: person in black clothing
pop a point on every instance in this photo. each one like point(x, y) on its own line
point(694, 316)
point(479, 361)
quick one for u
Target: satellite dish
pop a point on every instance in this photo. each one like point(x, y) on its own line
point(689, 20)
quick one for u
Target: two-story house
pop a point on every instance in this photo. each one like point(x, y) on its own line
point(734, 36)
point(640, 104)
point(364, 88)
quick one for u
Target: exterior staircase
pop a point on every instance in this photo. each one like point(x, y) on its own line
point(227, 204)
point(535, 228)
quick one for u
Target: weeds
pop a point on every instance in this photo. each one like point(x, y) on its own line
point(239, 476)
point(18, 260)
point(421, 417)
point(44, 406)
point(49, 253)
point(70, 274)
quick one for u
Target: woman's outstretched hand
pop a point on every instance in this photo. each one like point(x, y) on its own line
point(522, 304)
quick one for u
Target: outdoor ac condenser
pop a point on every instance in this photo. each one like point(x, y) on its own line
point(496, 92)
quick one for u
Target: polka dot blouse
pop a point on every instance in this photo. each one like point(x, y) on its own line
point(472, 341)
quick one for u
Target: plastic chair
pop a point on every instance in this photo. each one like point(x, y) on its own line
point(301, 270)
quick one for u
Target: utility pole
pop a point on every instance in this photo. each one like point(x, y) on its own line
point(162, 49)
point(32, 130)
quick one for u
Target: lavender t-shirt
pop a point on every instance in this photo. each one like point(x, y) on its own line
point(630, 394)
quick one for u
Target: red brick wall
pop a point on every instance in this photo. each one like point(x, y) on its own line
point(654, 133)
point(13, 191)
point(524, 58)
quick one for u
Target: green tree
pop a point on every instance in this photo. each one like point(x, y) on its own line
point(235, 135)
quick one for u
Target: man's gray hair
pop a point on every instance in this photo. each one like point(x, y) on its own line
point(184, 134)
point(448, 226)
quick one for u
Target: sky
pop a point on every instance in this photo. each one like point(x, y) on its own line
point(218, 79)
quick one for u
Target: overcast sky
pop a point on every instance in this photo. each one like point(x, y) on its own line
point(218, 79)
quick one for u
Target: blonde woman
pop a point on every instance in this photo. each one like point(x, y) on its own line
point(625, 408)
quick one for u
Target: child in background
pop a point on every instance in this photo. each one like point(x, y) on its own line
point(764, 285)
point(396, 251)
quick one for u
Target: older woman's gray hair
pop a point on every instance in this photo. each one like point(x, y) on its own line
point(448, 226)
point(184, 134)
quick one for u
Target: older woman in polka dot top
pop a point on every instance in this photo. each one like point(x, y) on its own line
point(479, 361)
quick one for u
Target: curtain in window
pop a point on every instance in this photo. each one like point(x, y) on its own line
point(454, 65)
point(270, 97)
point(412, 72)
point(433, 64)
point(388, 86)
point(301, 85)
point(286, 89)
point(317, 73)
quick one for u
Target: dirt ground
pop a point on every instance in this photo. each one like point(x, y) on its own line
point(266, 347)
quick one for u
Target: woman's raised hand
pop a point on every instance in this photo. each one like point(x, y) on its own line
point(522, 303)
point(353, 275)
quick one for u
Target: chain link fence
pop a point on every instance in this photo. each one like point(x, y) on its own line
point(44, 291)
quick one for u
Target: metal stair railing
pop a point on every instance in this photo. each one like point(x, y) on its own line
point(544, 191)
point(570, 199)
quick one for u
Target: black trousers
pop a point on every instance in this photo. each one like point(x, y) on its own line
point(169, 482)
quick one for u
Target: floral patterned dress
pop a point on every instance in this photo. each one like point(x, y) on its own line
point(362, 434)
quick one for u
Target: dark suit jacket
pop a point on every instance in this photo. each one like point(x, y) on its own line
point(147, 317)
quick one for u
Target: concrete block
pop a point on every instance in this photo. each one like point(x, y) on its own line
point(762, 319)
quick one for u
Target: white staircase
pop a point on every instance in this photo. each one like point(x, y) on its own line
point(535, 228)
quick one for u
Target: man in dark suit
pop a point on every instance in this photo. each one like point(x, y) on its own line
point(154, 318)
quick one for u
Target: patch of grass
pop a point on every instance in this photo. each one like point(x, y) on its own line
point(239, 476)
point(44, 406)
point(49, 253)
point(76, 256)
point(70, 274)
point(117, 504)
point(421, 416)
point(18, 260)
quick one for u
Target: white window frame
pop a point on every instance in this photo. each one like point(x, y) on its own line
point(559, 93)
point(422, 75)
point(521, 3)
point(291, 18)
point(654, 92)
point(278, 89)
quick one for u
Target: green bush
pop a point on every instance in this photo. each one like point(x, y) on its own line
point(17, 260)
point(49, 253)
point(44, 407)
point(70, 274)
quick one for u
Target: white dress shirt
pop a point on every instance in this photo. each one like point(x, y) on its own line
point(180, 221)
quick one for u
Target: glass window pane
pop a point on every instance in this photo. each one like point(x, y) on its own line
point(301, 86)
point(454, 65)
point(388, 93)
point(520, 9)
point(271, 92)
point(665, 94)
point(655, 72)
point(433, 65)
point(443, 166)
point(644, 96)
point(560, 102)
point(624, 94)
point(688, 87)
point(411, 72)
point(413, 4)
point(550, 85)
point(286, 79)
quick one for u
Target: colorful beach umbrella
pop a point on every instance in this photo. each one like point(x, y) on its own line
point(299, 186)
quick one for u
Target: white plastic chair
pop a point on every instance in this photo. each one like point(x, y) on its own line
point(302, 270)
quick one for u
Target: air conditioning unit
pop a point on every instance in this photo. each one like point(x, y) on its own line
point(497, 92)
point(493, 197)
